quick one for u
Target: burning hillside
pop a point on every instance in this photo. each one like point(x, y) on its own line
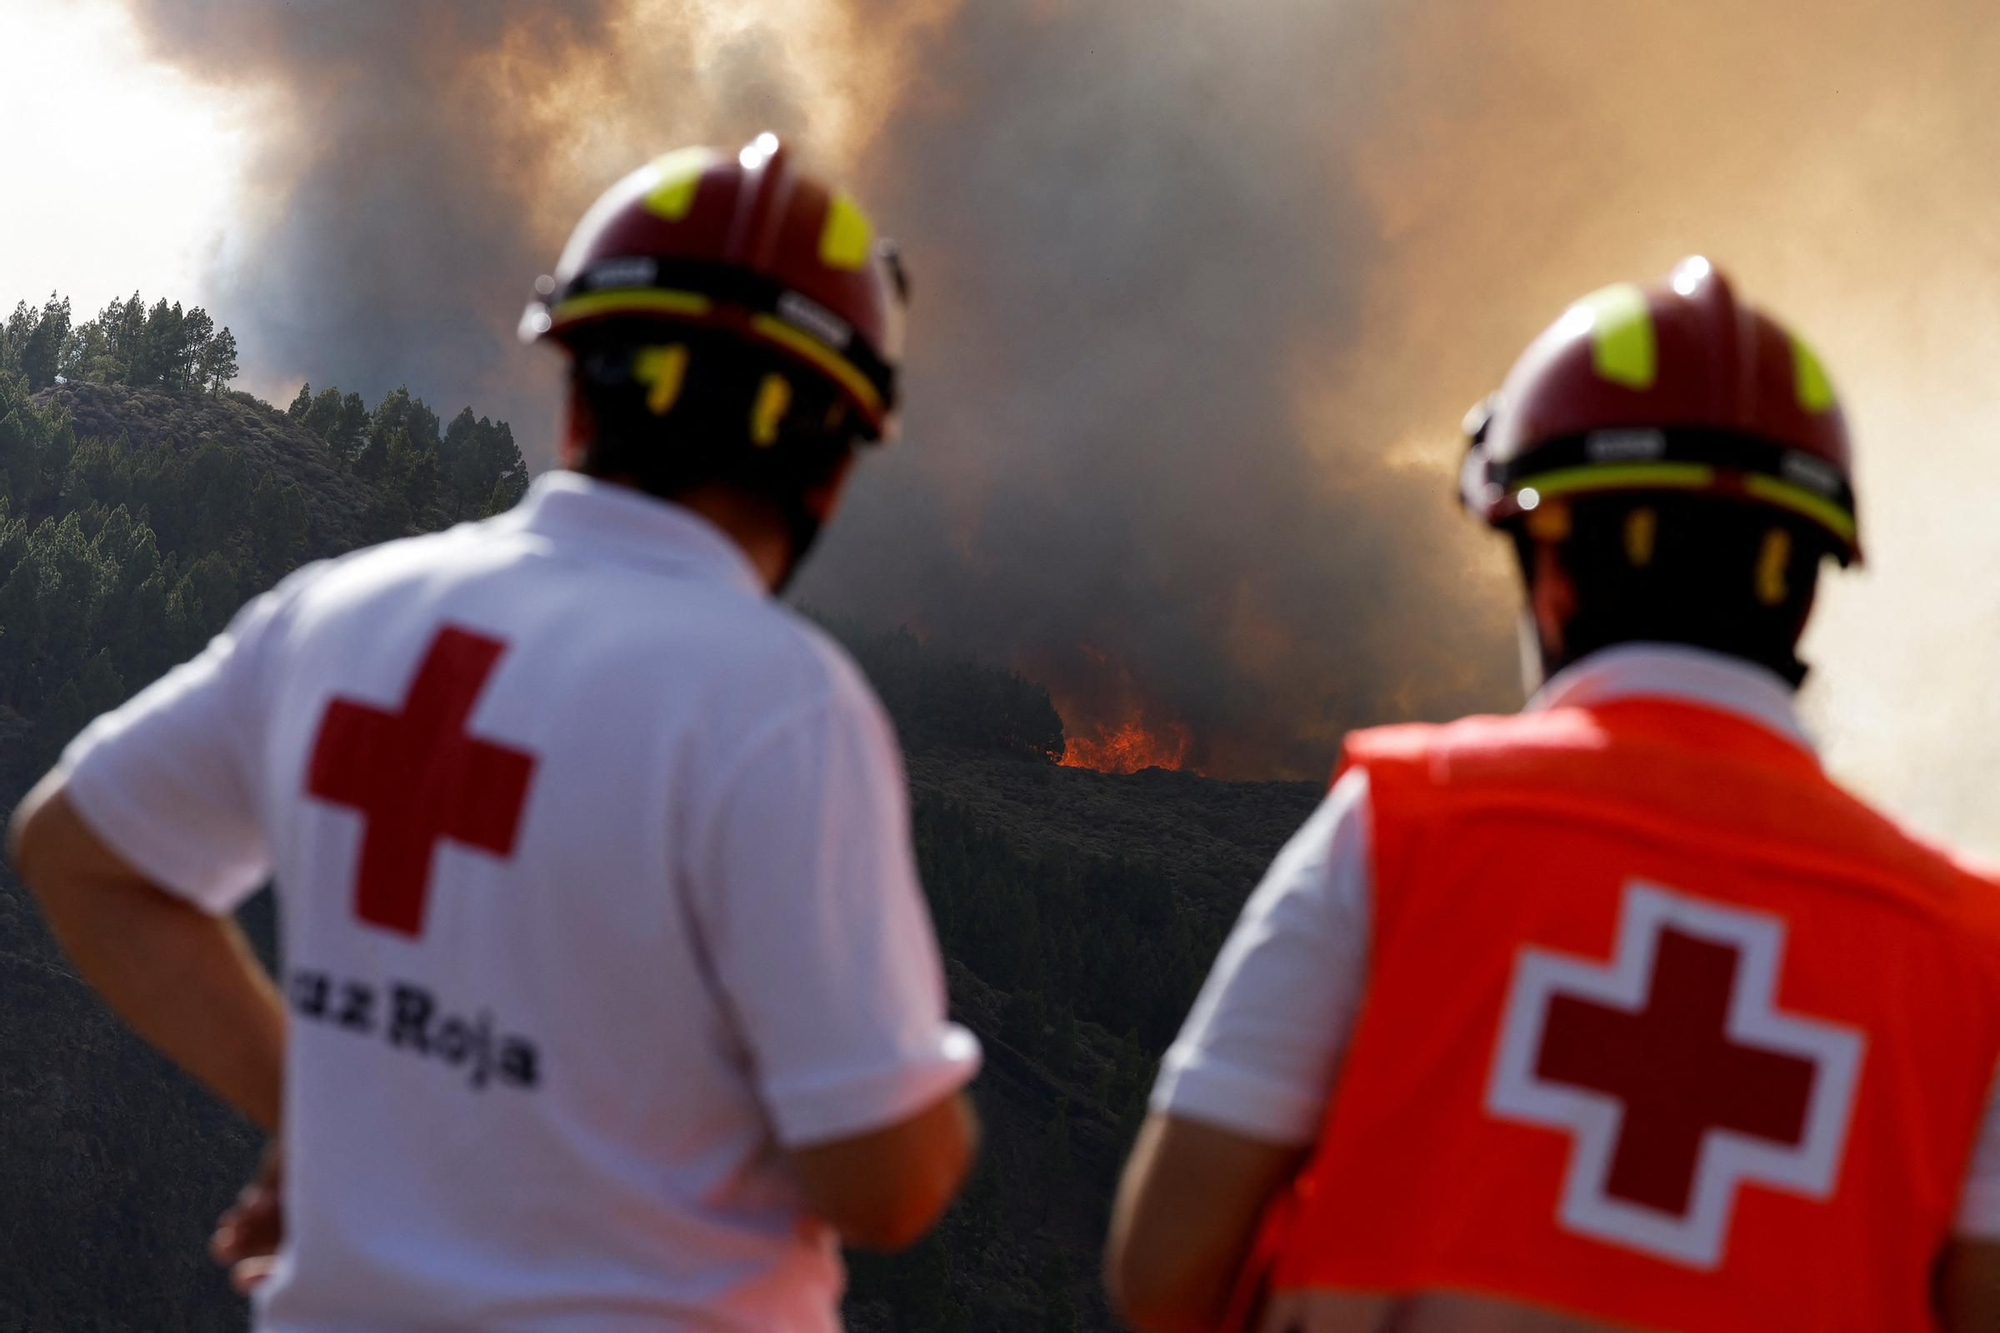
point(1129, 747)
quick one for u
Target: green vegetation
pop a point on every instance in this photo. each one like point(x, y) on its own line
point(141, 501)
point(161, 347)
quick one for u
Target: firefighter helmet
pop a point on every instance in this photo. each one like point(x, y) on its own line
point(745, 245)
point(1670, 388)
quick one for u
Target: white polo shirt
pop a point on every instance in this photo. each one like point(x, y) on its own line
point(1260, 1049)
point(596, 892)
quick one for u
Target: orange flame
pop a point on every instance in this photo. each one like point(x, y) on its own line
point(1128, 748)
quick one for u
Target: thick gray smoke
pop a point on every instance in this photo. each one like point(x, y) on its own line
point(1134, 254)
point(1133, 242)
point(1201, 289)
point(386, 239)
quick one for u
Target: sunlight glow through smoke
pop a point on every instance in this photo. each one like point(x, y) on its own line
point(121, 174)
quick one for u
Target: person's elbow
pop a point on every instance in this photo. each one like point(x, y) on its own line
point(922, 1182)
point(894, 1222)
point(1968, 1286)
point(84, 889)
point(31, 837)
point(884, 1189)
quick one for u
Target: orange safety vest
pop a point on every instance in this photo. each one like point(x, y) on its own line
point(1661, 1028)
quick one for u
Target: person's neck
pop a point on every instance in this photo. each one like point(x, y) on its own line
point(750, 523)
point(1540, 662)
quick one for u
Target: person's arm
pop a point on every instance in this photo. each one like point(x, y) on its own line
point(883, 1189)
point(143, 840)
point(184, 980)
point(1186, 1214)
point(1969, 1287)
point(806, 895)
point(1244, 1088)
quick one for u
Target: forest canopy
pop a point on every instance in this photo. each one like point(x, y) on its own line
point(134, 518)
point(130, 343)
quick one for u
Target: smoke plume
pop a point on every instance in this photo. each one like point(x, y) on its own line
point(1201, 292)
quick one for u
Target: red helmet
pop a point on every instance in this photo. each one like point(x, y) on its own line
point(1673, 387)
point(745, 244)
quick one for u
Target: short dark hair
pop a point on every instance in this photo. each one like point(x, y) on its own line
point(1716, 573)
point(734, 413)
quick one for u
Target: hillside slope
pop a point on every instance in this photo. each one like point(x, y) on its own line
point(1078, 910)
point(272, 444)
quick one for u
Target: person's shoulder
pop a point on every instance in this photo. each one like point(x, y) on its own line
point(763, 677)
point(425, 548)
point(821, 672)
point(1964, 882)
point(1430, 743)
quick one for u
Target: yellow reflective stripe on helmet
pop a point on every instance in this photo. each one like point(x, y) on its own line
point(1809, 381)
point(1623, 476)
point(1799, 500)
point(774, 396)
point(1622, 348)
point(618, 302)
point(1772, 559)
point(828, 360)
point(1689, 477)
point(680, 176)
point(847, 237)
point(661, 370)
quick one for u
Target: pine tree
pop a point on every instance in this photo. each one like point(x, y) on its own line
point(100, 684)
point(197, 330)
point(278, 526)
point(322, 416)
point(42, 350)
point(124, 324)
point(218, 492)
point(500, 499)
point(204, 599)
point(162, 343)
point(217, 367)
point(21, 623)
point(14, 336)
point(61, 717)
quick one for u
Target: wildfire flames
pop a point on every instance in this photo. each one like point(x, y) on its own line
point(1128, 748)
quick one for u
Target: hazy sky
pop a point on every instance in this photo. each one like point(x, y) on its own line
point(121, 173)
point(1202, 290)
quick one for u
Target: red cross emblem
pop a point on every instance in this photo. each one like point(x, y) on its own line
point(418, 778)
point(1675, 1074)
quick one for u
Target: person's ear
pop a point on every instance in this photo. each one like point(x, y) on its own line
point(579, 428)
point(822, 499)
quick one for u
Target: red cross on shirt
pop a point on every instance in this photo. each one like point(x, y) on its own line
point(1675, 1069)
point(1677, 1076)
point(418, 778)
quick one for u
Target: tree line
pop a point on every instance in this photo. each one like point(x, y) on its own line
point(121, 556)
point(161, 346)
